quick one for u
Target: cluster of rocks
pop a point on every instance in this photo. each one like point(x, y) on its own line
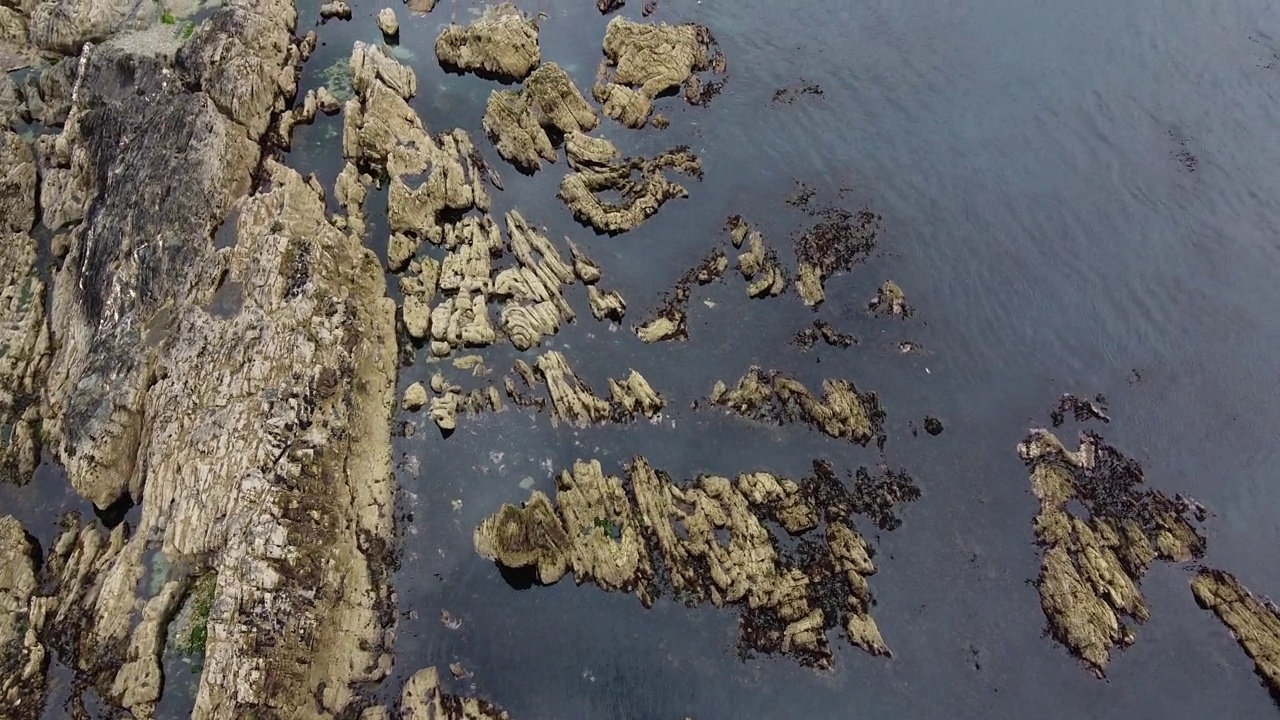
point(842, 412)
point(1092, 566)
point(642, 61)
point(705, 541)
point(569, 400)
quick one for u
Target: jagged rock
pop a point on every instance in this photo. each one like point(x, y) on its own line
point(326, 101)
point(400, 250)
point(444, 410)
point(421, 6)
point(423, 699)
point(10, 102)
point(842, 412)
point(24, 343)
point(707, 541)
point(303, 114)
point(502, 42)
point(572, 401)
point(640, 198)
point(336, 9)
point(387, 22)
point(461, 320)
point(584, 267)
point(1254, 623)
point(22, 656)
point(586, 153)
point(757, 264)
point(415, 396)
point(670, 320)
point(890, 300)
point(661, 328)
point(518, 121)
point(534, 291)
point(419, 289)
point(635, 395)
point(63, 27)
point(647, 61)
point(606, 304)
point(834, 244)
point(825, 331)
point(1091, 567)
point(370, 64)
point(48, 92)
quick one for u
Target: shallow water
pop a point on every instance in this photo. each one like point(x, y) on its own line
point(1076, 197)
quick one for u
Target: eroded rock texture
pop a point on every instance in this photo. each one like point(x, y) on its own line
point(842, 412)
point(640, 183)
point(1254, 623)
point(643, 61)
point(501, 43)
point(572, 402)
point(522, 123)
point(1091, 566)
point(22, 655)
point(705, 541)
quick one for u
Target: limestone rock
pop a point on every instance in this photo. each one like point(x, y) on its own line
point(842, 412)
point(648, 60)
point(706, 542)
point(388, 23)
point(502, 43)
point(1091, 567)
point(1254, 624)
point(518, 121)
point(640, 197)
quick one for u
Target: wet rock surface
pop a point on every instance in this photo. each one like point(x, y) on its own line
point(821, 330)
point(840, 239)
point(670, 320)
point(1253, 622)
point(501, 43)
point(842, 412)
point(643, 61)
point(1092, 566)
point(704, 542)
point(891, 301)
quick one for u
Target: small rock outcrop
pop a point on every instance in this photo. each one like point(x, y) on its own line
point(22, 655)
point(705, 541)
point(597, 171)
point(1091, 567)
point(1254, 623)
point(518, 121)
point(643, 61)
point(387, 23)
point(891, 301)
point(842, 412)
point(838, 241)
point(570, 401)
point(502, 43)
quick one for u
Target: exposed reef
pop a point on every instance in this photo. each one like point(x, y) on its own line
point(524, 124)
point(704, 541)
point(1091, 566)
point(838, 241)
point(1254, 623)
point(842, 412)
point(502, 43)
point(598, 171)
point(572, 401)
point(824, 331)
point(670, 320)
point(643, 61)
point(891, 301)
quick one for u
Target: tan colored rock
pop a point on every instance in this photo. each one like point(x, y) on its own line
point(646, 61)
point(387, 22)
point(415, 396)
point(423, 699)
point(419, 290)
point(584, 267)
point(891, 301)
point(842, 412)
point(660, 328)
point(534, 289)
point(335, 9)
point(606, 304)
point(572, 401)
point(502, 42)
point(22, 656)
point(1254, 623)
point(1090, 568)
point(634, 395)
point(518, 121)
point(444, 410)
point(421, 6)
point(757, 264)
point(640, 197)
point(587, 153)
point(840, 240)
point(709, 543)
point(303, 114)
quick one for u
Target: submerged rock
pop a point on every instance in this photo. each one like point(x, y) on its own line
point(670, 321)
point(1091, 567)
point(643, 61)
point(518, 121)
point(826, 332)
point(640, 197)
point(502, 43)
point(1254, 623)
point(704, 542)
point(842, 412)
point(891, 301)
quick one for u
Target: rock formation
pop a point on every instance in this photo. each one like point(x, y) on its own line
point(1091, 567)
point(704, 542)
point(597, 171)
point(842, 412)
point(643, 61)
point(891, 301)
point(1254, 623)
point(519, 122)
point(838, 241)
point(501, 43)
point(573, 402)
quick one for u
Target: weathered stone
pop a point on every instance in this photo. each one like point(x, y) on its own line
point(335, 9)
point(423, 699)
point(419, 290)
point(1254, 623)
point(502, 43)
point(1090, 568)
point(22, 656)
point(606, 304)
point(415, 396)
point(837, 242)
point(634, 395)
point(891, 301)
point(640, 197)
point(647, 61)
point(303, 114)
point(572, 400)
point(534, 290)
point(587, 153)
point(842, 412)
point(388, 23)
point(518, 121)
point(529, 536)
point(584, 267)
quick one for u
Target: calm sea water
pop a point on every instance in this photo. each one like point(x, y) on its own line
point(1076, 197)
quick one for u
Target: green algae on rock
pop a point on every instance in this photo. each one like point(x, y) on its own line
point(1091, 567)
point(519, 122)
point(1254, 623)
point(650, 535)
point(640, 196)
point(643, 61)
point(501, 43)
point(842, 412)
